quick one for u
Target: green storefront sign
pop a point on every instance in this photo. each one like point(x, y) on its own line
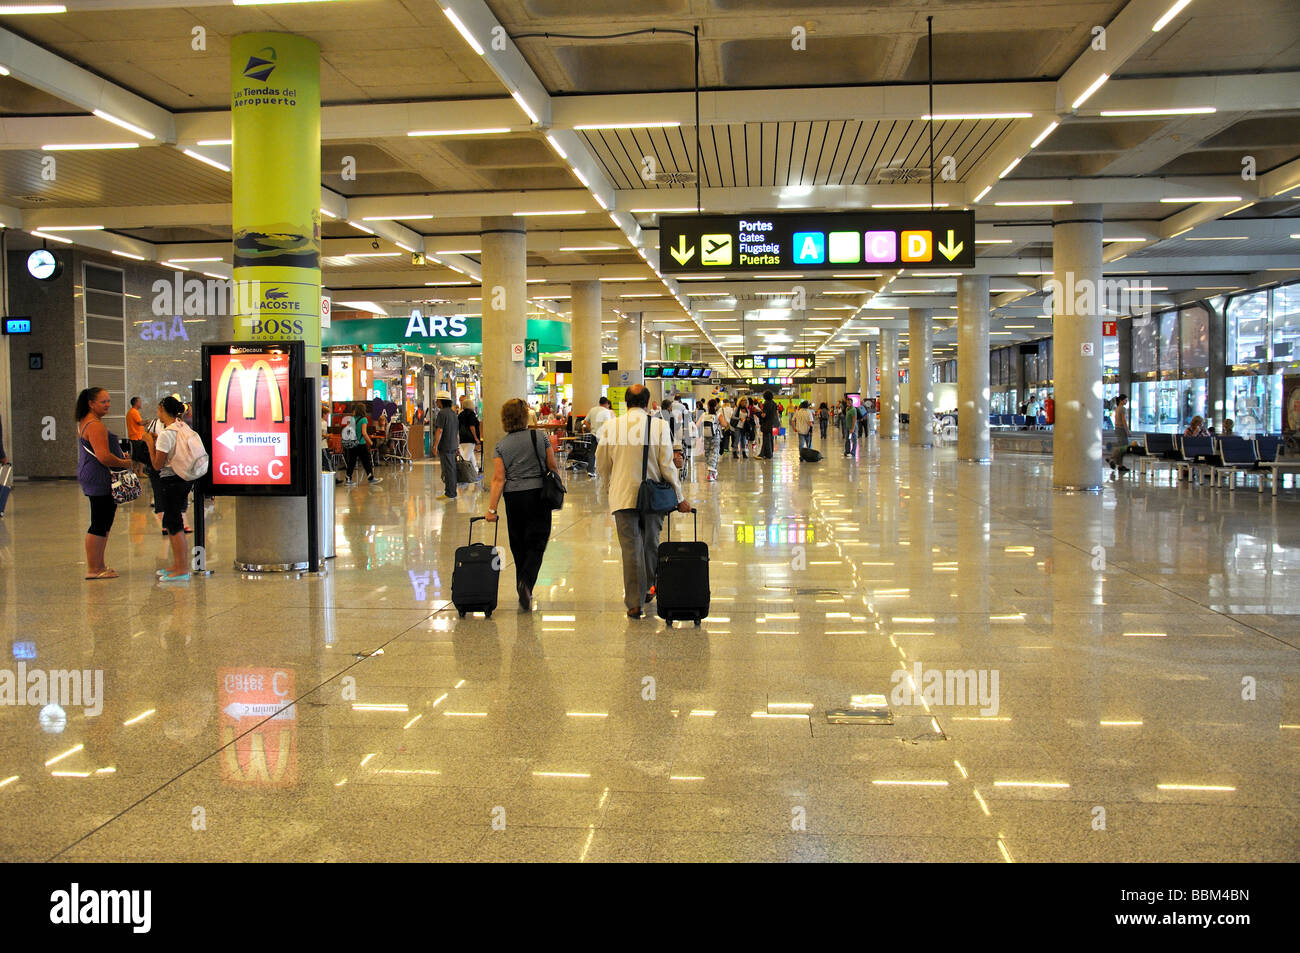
point(452, 336)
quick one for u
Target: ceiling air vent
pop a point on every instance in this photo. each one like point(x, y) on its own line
point(896, 172)
point(32, 198)
point(676, 178)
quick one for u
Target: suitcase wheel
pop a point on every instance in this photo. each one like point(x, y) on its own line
point(487, 615)
point(462, 615)
point(697, 622)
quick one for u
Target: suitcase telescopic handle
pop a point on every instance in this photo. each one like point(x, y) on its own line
point(496, 529)
point(694, 514)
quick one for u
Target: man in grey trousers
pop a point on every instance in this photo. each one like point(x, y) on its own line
point(619, 458)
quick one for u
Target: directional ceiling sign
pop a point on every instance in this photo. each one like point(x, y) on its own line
point(816, 242)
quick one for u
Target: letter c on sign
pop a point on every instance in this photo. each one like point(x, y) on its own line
point(275, 684)
point(275, 470)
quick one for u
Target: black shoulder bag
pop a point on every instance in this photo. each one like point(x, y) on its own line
point(654, 496)
point(552, 486)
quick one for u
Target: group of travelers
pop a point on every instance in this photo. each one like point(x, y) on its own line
point(166, 450)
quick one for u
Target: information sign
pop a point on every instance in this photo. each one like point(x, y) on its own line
point(816, 241)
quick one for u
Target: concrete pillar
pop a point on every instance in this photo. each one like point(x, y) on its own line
point(631, 356)
point(866, 376)
point(920, 334)
point(1077, 344)
point(1124, 341)
point(585, 331)
point(275, 164)
point(504, 284)
point(872, 365)
point(973, 368)
point(888, 384)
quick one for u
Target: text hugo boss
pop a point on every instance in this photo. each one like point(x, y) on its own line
point(76, 906)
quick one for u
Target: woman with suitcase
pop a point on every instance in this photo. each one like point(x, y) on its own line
point(517, 475)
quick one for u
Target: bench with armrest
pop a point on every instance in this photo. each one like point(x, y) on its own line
point(1195, 453)
point(1158, 450)
point(1232, 455)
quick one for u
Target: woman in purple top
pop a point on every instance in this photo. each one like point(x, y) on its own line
point(97, 451)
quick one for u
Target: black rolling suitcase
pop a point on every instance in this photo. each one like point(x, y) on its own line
point(682, 577)
point(476, 575)
point(809, 455)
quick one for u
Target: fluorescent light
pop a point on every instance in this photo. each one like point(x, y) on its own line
point(13, 9)
point(1084, 96)
point(1218, 238)
point(523, 104)
point(589, 248)
point(1169, 15)
point(463, 30)
point(258, 3)
point(360, 228)
point(167, 264)
point(556, 212)
point(1177, 111)
point(128, 126)
point(71, 146)
point(216, 142)
point(944, 117)
point(373, 254)
point(1044, 134)
point(202, 158)
point(1201, 198)
point(127, 254)
point(57, 238)
point(629, 125)
point(653, 211)
point(986, 191)
point(1005, 172)
point(193, 259)
point(911, 205)
point(1039, 202)
point(394, 218)
point(993, 241)
point(73, 228)
point(1125, 239)
point(494, 131)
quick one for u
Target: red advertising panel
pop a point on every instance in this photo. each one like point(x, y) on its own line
point(258, 699)
point(252, 433)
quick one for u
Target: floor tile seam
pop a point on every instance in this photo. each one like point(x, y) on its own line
point(1132, 572)
point(233, 741)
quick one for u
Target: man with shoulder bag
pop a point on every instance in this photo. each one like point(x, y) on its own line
point(635, 461)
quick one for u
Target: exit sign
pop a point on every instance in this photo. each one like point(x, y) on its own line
point(816, 242)
point(1109, 329)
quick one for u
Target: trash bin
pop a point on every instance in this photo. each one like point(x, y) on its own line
point(326, 515)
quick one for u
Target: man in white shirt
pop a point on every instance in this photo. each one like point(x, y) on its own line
point(595, 419)
point(619, 458)
point(801, 420)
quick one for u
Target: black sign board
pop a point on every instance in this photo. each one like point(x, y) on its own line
point(775, 362)
point(825, 242)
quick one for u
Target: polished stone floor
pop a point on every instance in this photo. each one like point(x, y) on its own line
point(1145, 644)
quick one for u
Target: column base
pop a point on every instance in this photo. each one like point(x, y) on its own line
point(984, 460)
point(272, 567)
point(1094, 488)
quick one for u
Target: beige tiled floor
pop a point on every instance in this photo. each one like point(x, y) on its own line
point(1121, 626)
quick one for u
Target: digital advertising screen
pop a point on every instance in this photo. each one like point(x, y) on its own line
point(651, 371)
point(250, 418)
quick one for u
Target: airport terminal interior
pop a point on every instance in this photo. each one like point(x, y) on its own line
point(1034, 599)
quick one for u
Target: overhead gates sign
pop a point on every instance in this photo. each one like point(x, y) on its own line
point(816, 242)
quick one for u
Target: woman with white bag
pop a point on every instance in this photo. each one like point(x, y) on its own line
point(180, 458)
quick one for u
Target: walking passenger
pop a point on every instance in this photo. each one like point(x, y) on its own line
point(823, 418)
point(446, 443)
point(1122, 437)
point(771, 421)
point(621, 459)
point(802, 422)
point(517, 476)
point(711, 429)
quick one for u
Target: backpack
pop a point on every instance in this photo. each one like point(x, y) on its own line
point(349, 435)
point(189, 459)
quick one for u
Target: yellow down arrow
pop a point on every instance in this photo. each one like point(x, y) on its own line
point(951, 251)
point(681, 252)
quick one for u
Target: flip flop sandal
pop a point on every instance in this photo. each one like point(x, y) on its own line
point(106, 574)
